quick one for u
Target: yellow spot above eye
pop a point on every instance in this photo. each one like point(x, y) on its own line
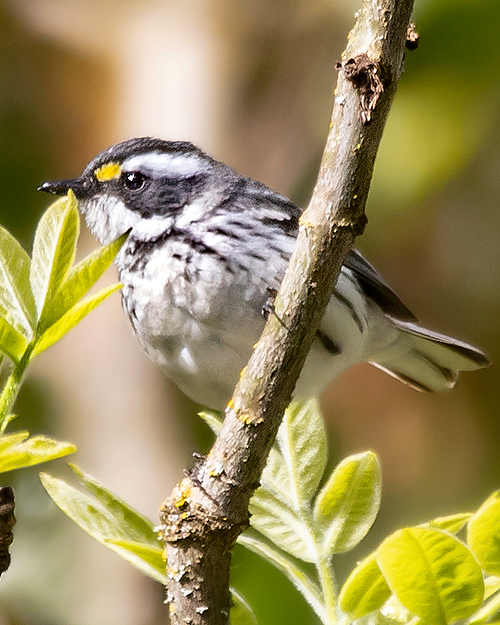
point(108, 172)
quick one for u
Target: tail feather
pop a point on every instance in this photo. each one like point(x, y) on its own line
point(431, 361)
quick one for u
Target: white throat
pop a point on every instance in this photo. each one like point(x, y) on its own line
point(107, 217)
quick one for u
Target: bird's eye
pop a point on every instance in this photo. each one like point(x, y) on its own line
point(134, 180)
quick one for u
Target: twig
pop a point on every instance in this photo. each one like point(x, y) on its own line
point(209, 508)
point(7, 521)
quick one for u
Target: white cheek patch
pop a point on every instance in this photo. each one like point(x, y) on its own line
point(157, 164)
point(107, 217)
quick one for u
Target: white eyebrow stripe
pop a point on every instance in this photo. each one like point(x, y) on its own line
point(159, 164)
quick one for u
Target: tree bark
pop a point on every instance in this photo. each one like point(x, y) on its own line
point(7, 522)
point(208, 509)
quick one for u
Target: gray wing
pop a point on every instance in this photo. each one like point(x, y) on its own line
point(375, 287)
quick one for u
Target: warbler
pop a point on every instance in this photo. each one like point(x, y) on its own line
point(206, 248)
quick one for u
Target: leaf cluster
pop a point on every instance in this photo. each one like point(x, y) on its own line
point(118, 526)
point(42, 297)
point(301, 517)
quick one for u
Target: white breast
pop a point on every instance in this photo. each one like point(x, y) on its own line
point(197, 321)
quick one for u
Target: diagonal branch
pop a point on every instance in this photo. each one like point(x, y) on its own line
point(209, 508)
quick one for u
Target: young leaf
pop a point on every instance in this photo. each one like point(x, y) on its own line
point(273, 518)
point(241, 613)
point(9, 440)
point(491, 606)
point(12, 343)
point(276, 480)
point(212, 420)
point(393, 612)
point(491, 585)
point(138, 525)
point(483, 535)
point(124, 522)
point(54, 251)
point(347, 505)
point(452, 523)
point(270, 505)
point(432, 574)
point(365, 589)
point(307, 587)
point(147, 558)
point(71, 319)
point(302, 442)
point(16, 300)
point(109, 520)
point(80, 279)
point(18, 451)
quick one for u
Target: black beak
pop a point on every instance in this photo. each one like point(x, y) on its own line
point(81, 187)
point(59, 187)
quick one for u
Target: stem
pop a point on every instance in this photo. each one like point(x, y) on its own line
point(324, 568)
point(328, 586)
point(12, 386)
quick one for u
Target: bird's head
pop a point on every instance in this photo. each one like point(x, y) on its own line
point(141, 184)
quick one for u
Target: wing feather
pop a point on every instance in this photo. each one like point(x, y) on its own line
point(374, 286)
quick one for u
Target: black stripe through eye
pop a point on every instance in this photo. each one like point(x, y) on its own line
point(159, 195)
point(174, 193)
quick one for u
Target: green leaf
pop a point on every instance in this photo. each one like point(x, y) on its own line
point(212, 419)
point(107, 519)
point(491, 585)
point(54, 251)
point(304, 584)
point(71, 319)
point(146, 558)
point(452, 523)
point(8, 440)
point(139, 527)
point(392, 613)
point(17, 306)
point(483, 535)
point(18, 451)
point(12, 343)
point(432, 574)
point(80, 279)
point(273, 518)
point(365, 589)
point(491, 606)
point(347, 505)
point(276, 479)
point(270, 506)
point(241, 613)
point(302, 442)
point(119, 521)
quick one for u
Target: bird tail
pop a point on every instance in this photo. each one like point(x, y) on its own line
point(431, 361)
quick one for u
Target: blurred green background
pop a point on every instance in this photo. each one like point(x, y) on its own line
point(252, 83)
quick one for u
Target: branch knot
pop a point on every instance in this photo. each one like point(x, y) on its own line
point(364, 75)
point(191, 514)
